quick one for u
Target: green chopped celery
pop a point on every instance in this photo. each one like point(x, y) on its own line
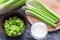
point(13, 29)
point(29, 12)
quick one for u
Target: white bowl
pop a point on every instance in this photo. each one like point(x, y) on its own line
point(39, 30)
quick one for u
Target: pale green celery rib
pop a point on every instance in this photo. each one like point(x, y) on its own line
point(38, 6)
point(8, 4)
point(41, 18)
point(47, 9)
point(48, 17)
point(54, 21)
point(41, 13)
point(3, 1)
point(19, 3)
point(48, 14)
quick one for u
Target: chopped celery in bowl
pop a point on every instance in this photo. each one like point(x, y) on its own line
point(13, 24)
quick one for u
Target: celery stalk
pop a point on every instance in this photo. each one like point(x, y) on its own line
point(47, 9)
point(36, 4)
point(15, 5)
point(11, 6)
point(8, 4)
point(41, 8)
point(40, 18)
point(47, 16)
point(40, 13)
point(3, 1)
point(19, 3)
